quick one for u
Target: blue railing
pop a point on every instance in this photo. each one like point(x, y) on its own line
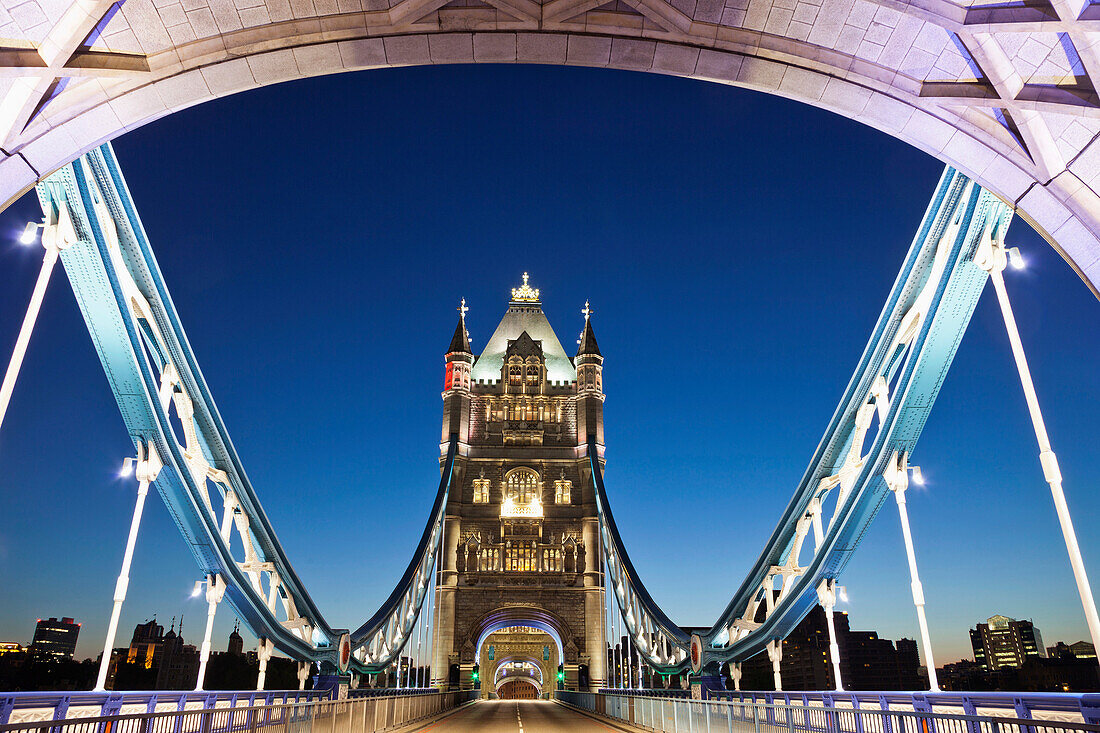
point(1021, 704)
point(57, 705)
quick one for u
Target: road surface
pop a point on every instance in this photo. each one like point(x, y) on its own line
point(518, 716)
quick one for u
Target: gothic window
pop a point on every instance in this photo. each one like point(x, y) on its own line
point(532, 375)
point(515, 375)
point(481, 490)
point(521, 557)
point(522, 486)
point(563, 489)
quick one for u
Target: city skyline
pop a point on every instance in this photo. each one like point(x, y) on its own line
point(644, 317)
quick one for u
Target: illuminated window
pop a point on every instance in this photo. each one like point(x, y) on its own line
point(521, 557)
point(563, 489)
point(532, 374)
point(515, 375)
point(481, 490)
point(522, 486)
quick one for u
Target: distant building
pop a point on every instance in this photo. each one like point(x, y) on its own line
point(11, 647)
point(236, 643)
point(1003, 642)
point(1080, 650)
point(176, 662)
point(54, 639)
point(867, 662)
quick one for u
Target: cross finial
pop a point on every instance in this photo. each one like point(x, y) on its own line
point(587, 311)
point(462, 309)
point(525, 278)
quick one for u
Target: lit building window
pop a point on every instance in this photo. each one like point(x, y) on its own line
point(521, 494)
point(563, 489)
point(481, 490)
point(515, 375)
point(520, 557)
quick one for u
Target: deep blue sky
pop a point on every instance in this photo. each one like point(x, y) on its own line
point(737, 249)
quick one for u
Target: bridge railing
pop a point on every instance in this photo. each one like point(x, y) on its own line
point(25, 707)
point(714, 716)
point(362, 715)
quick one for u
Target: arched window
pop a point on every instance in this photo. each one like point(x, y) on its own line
point(522, 486)
point(515, 374)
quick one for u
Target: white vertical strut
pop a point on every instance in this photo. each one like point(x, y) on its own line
point(897, 479)
point(56, 236)
point(826, 595)
point(992, 258)
point(147, 470)
point(263, 652)
point(215, 589)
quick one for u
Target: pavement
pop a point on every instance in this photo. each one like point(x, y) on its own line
point(518, 716)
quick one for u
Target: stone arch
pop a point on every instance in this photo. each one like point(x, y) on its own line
point(532, 616)
point(1051, 175)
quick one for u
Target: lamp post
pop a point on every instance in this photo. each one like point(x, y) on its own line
point(897, 480)
point(148, 466)
point(827, 596)
point(992, 257)
point(57, 234)
point(215, 589)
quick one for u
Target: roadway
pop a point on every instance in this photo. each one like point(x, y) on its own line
point(518, 716)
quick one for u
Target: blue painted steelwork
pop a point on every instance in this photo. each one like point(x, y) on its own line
point(896, 381)
point(151, 369)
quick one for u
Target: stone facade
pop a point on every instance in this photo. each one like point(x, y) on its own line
point(521, 543)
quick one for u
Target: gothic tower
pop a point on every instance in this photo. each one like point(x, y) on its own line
point(521, 588)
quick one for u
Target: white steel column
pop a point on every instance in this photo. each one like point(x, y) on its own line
point(263, 652)
point(826, 595)
point(55, 237)
point(735, 673)
point(775, 653)
point(215, 589)
point(992, 258)
point(303, 674)
point(897, 479)
point(147, 470)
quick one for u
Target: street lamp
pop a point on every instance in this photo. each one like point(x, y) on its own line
point(147, 466)
point(57, 234)
point(992, 257)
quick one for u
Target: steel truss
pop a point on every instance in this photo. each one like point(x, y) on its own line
point(172, 419)
point(863, 454)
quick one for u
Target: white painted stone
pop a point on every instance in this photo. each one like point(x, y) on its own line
point(672, 59)
point(455, 48)
point(718, 65)
point(588, 51)
point(362, 53)
point(802, 84)
point(629, 53)
point(495, 47)
point(228, 77)
point(407, 50)
point(273, 67)
point(319, 59)
point(540, 49)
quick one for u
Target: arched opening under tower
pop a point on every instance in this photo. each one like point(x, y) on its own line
point(517, 654)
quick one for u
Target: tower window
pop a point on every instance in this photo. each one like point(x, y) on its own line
point(563, 490)
point(481, 490)
point(515, 375)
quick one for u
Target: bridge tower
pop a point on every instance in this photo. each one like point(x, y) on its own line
point(521, 586)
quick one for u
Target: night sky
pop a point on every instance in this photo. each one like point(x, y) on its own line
point(737, 248)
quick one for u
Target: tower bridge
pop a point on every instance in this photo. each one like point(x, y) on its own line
point(521, 583)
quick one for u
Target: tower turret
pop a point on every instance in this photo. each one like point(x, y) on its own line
point(589, 364)
point(456, 381)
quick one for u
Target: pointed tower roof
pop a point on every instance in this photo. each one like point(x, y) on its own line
point(524, 314)
point(587, 345)
point(460, 342)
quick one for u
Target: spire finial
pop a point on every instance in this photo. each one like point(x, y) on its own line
point(587, 311)
point(462, 309)
point(525, 293)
